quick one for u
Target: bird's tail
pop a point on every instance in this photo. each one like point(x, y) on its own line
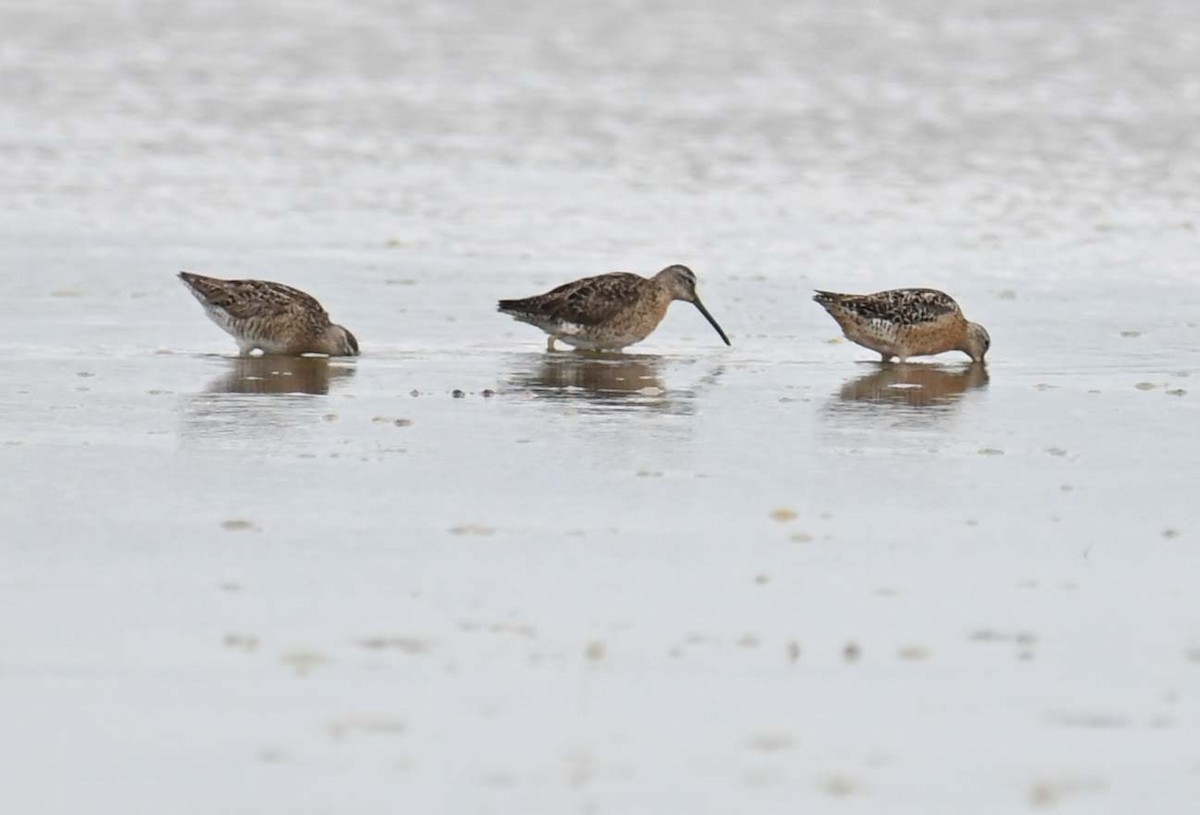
point(512, 307)
point(199, 284)
point(828, 298)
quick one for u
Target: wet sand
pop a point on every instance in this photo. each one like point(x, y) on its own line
point(460, 574)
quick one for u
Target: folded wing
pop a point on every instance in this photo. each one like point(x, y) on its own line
point(585, 302)
point(898, 306)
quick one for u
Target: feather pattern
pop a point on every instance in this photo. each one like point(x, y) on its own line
point(270, 316)
point(898, 306)
point(255, 299)
point(586, 302)
point(610, 311)
point(905, 323)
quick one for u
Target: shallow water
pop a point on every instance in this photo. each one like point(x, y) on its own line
point(460, 574)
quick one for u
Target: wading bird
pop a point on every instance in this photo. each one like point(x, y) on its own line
point(272, 317)
point(905, 323)
point(609, 311)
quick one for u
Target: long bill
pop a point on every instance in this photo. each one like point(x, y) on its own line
point(710, 319)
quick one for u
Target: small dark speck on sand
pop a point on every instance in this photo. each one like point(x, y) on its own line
point(851, 652)
point(457, 394)
point(487, 393)
point(405, 645)
point(839, 786)
point(1050, 792)
point(237, 525)
point(471, 529)
point(772, 741)
point(913, 653)
point(241, 642)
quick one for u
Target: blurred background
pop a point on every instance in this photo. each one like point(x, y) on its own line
point(751, 136)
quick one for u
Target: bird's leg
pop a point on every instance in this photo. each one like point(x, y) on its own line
point(550, 342)
point(884, 357)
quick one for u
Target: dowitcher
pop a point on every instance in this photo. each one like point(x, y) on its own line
point(272, 317)
point(609, 311)
point(906, 323)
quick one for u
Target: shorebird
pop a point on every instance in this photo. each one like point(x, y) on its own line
point(906, 323)
point(272, 317)
point(609, 311)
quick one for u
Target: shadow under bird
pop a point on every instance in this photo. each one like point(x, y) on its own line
point(270, 317)
point(609, 311)
point(905, 323)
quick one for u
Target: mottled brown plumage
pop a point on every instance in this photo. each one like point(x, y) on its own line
point(272, 317)
point(608, 312)
point(906, 323)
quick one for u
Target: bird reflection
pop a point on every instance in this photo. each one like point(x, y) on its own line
point(280, 375)
point(913, 385)
point(600, 382)
point(264, 402)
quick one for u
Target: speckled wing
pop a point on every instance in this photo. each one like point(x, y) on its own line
point(585, 302)
point(898, 306)
point(256, 299)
